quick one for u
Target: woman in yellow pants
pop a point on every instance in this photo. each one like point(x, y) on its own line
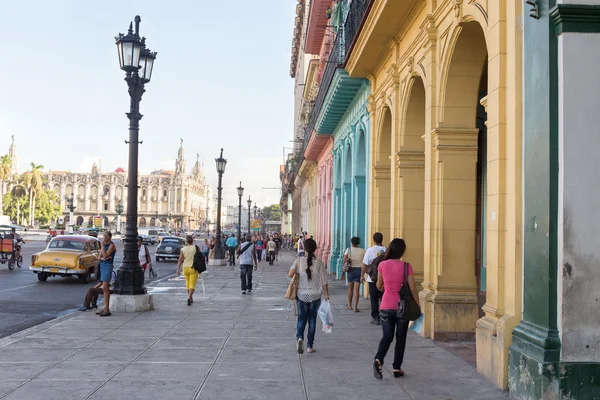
point(186, 257)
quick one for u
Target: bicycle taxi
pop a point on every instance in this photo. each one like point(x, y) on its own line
point(8, 250)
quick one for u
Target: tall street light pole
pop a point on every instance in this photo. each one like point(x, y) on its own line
point(137, 61)
point(249, 209)
point(255, 210)
point(219, 256)
point(240, 191)
point(71, 207)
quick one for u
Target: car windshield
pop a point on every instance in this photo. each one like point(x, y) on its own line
point(67, 245)
point(170, 240)
point(152, 233)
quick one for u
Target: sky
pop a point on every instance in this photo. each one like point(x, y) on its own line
point(221, 80)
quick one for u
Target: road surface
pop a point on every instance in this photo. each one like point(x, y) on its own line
point(25, 302)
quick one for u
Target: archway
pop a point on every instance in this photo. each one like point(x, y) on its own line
point(411, 176)
point(360, 187)
point(381, 178)
point(79, 221)
point(455, 244)
point(335, 264)
point(152, 222)
point(90, 222)
point(142, 223)
point(347, 173)
point(163, 223)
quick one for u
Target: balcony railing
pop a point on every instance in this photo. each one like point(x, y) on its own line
point(356, 14)
point(335, 61)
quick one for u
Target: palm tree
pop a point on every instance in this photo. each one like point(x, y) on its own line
point(34, 182)
point(18, 191)
point(5, 169)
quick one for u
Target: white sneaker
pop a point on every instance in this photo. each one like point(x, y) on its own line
point(300, 346)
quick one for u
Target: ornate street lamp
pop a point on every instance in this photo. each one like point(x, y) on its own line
point(255, 208)
point(249, 208)
point(240, 191)
point(219, 257)
point(169, 222)
point(138, 62)
point(71, 207)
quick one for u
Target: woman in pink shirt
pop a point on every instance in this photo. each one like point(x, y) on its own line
point(389, 281)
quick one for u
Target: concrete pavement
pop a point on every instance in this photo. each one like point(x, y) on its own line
point(226, 346)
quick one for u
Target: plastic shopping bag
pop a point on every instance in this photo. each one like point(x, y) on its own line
point(326, 316)
point(417, 324)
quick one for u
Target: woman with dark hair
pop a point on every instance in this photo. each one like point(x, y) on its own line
point(355, 256)
point(389, 281)
point(312, 284)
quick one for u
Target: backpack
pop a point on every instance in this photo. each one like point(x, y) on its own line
point(372, 268)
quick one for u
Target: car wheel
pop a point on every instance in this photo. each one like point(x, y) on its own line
point(157, 259)
point(42, 277)
point(85, 278)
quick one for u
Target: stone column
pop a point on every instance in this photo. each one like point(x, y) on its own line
point(451, 307)
point(87, 205)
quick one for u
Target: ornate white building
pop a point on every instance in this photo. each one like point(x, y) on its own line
point(169, 199)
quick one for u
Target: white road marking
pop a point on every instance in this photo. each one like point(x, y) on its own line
point(19, 287)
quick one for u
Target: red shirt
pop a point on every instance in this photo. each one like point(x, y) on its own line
point(392, 272)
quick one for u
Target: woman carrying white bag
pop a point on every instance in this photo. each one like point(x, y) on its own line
point(312, 285)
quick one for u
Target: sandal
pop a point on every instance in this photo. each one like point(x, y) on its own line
point(102, 314)
point(398, 373)
point(356, 310)
point(377, 369)
point(348, 306)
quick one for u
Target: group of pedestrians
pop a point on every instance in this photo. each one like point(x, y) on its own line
point(382, 268)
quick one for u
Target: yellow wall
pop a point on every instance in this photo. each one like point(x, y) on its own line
point(425, 93)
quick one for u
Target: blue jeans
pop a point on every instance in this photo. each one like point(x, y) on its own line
point(307, 312)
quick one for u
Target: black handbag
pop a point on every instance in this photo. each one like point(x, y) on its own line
point(199, 261)
point(408, 308)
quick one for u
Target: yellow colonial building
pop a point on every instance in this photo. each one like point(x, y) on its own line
point(445, 150)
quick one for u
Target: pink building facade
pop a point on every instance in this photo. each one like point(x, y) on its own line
point(324, 201)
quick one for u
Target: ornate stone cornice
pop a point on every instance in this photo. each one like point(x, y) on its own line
point(410, 160)
point(382, 172)
point(454, 139)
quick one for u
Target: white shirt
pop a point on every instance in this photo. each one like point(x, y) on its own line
point(246, 256)
point(371, 254)
point(310, 290)
point(142, 255)
point(300, 246)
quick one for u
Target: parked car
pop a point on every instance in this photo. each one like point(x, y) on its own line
point(147, 240)
point(169, 248)
point(67, 255)
point(161, 235)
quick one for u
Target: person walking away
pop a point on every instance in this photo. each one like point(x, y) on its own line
point(247, 255)
point(390, 278)
point(312, 285)
point(211, 248)
point(300, 247)
point(205, 250)
point(259, 248)
point(277, 241)
point(145, 259)
point(355, 255)
point(271, 249)
point(232, 245)
point(107, 258)
point(374, 294)
point(186, 257)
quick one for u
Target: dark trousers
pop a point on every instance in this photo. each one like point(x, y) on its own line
point(375, 297)
point(246, 277)
point(307, 313)
point(91, 297)
point(389, 324)
point(259, 254)
point(231, 255)
point(205, 255)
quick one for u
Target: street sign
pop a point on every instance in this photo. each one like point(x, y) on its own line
point(98, 221)
point(61, 220)
point(256, 224)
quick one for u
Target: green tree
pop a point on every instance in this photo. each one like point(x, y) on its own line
point(12, 205)
point(47, 207)
point(34, 184)
point(5, 169)
point(19, 193)
point(272, 212)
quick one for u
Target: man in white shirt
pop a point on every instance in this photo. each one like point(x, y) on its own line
point(374, 294)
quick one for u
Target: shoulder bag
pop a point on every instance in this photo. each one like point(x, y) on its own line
point(408, 308)
point(292, 290)
point(199, 261)
point(348, 263)
point(239, 253)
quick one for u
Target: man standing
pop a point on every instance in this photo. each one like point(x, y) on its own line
point(374, 294)
point(247, 255)
point(232, 245)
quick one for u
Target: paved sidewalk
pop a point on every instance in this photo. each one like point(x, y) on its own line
point(227, 346)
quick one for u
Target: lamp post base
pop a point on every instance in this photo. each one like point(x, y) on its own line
point(217, 261)
point(130, 282)
point(131, 303)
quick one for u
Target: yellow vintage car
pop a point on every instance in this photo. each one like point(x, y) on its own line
point(67, 255)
